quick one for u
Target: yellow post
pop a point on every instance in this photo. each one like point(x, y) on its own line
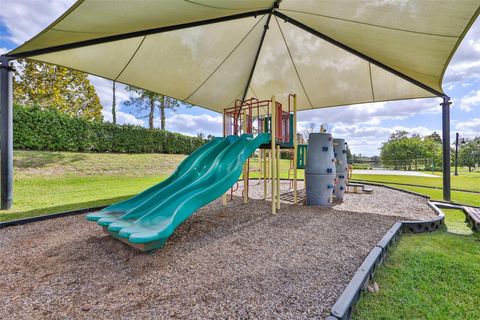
point(245, 166)
point(273, 128)
point(267, 157)
point(277, 160)
point(295, 147)
point(260, 169)
point(264, 174)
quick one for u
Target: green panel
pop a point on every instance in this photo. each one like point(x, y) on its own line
point(301, 155)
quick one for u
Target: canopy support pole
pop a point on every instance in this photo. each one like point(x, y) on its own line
point(446, 147)
point(6, 144)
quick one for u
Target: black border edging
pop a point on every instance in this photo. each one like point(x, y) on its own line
point(18, 222)
point(343, 307)
point(393, 188)
point(416, 185)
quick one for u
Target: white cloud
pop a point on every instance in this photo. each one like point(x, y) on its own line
point(3, 50)
point(367, 140)
point(469, 128)
point(122, 118)
point(371, 113)
point(24, 19)
point(465, 65)
point(105, 92)
point(192, 124)
point(469, 102)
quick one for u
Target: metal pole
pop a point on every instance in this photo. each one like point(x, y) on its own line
point(446, 146)
point(6, 145)
point(456, 154)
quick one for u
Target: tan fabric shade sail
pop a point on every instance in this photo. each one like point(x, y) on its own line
point(212, 52)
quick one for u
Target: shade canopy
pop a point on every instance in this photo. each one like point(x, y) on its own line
point(211, 52)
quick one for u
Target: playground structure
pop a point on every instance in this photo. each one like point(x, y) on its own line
point(320, 170)
point(148, 219)
point(341, 165)
point(255, 116)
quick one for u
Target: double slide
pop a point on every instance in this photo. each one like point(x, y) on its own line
point(146, 220)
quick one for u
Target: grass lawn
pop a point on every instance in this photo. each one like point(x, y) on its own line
point(428, 276)
point(467, 198)
point(466, 181)
point(50, 182)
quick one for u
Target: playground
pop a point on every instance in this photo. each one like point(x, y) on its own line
point(234, 261)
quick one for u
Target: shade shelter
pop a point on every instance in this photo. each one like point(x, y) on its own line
point(212, 52)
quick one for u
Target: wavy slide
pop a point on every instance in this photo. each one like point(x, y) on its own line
point(147, 220)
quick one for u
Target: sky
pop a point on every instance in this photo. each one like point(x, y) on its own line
point(363, 126)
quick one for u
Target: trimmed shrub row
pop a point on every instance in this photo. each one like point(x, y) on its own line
point(40, 129)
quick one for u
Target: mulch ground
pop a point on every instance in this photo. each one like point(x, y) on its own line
point(238, 262)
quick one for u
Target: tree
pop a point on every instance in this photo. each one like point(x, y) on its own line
point(434, 137)
point(404, 151)
point(49, 86)
point(149, 100)
point(308, 130)
point(167, 103)
point(469, 153)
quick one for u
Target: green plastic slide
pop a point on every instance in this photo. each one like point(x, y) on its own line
point(148, 219)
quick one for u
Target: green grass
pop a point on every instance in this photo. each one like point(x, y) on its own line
point(42, 195)
point(455, 222)
point(50, 182)
point(465, 181)
point(428, 276)
point(466, 198)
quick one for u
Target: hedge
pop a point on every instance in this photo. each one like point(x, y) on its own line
point(49, 129)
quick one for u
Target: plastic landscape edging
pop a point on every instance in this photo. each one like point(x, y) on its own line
point(393, 188)
point(48, 217)
point(343, 307)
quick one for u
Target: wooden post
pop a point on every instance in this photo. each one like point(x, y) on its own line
point(245, 166)
point(278, 176)
point(264, 174)
point(295, 147)
point(272, 153)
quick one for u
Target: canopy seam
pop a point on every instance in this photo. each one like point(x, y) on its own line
point(225, 59)
point(214, 7)
point(275, 5)
point(371, 80)
point(130, 35)
point(253, 91)
point(131, 58)
point(293, 63)
point(372, 24)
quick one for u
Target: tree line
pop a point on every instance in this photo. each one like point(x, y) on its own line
point(405, 151)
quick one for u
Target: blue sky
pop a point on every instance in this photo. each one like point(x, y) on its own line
point(364, 126)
